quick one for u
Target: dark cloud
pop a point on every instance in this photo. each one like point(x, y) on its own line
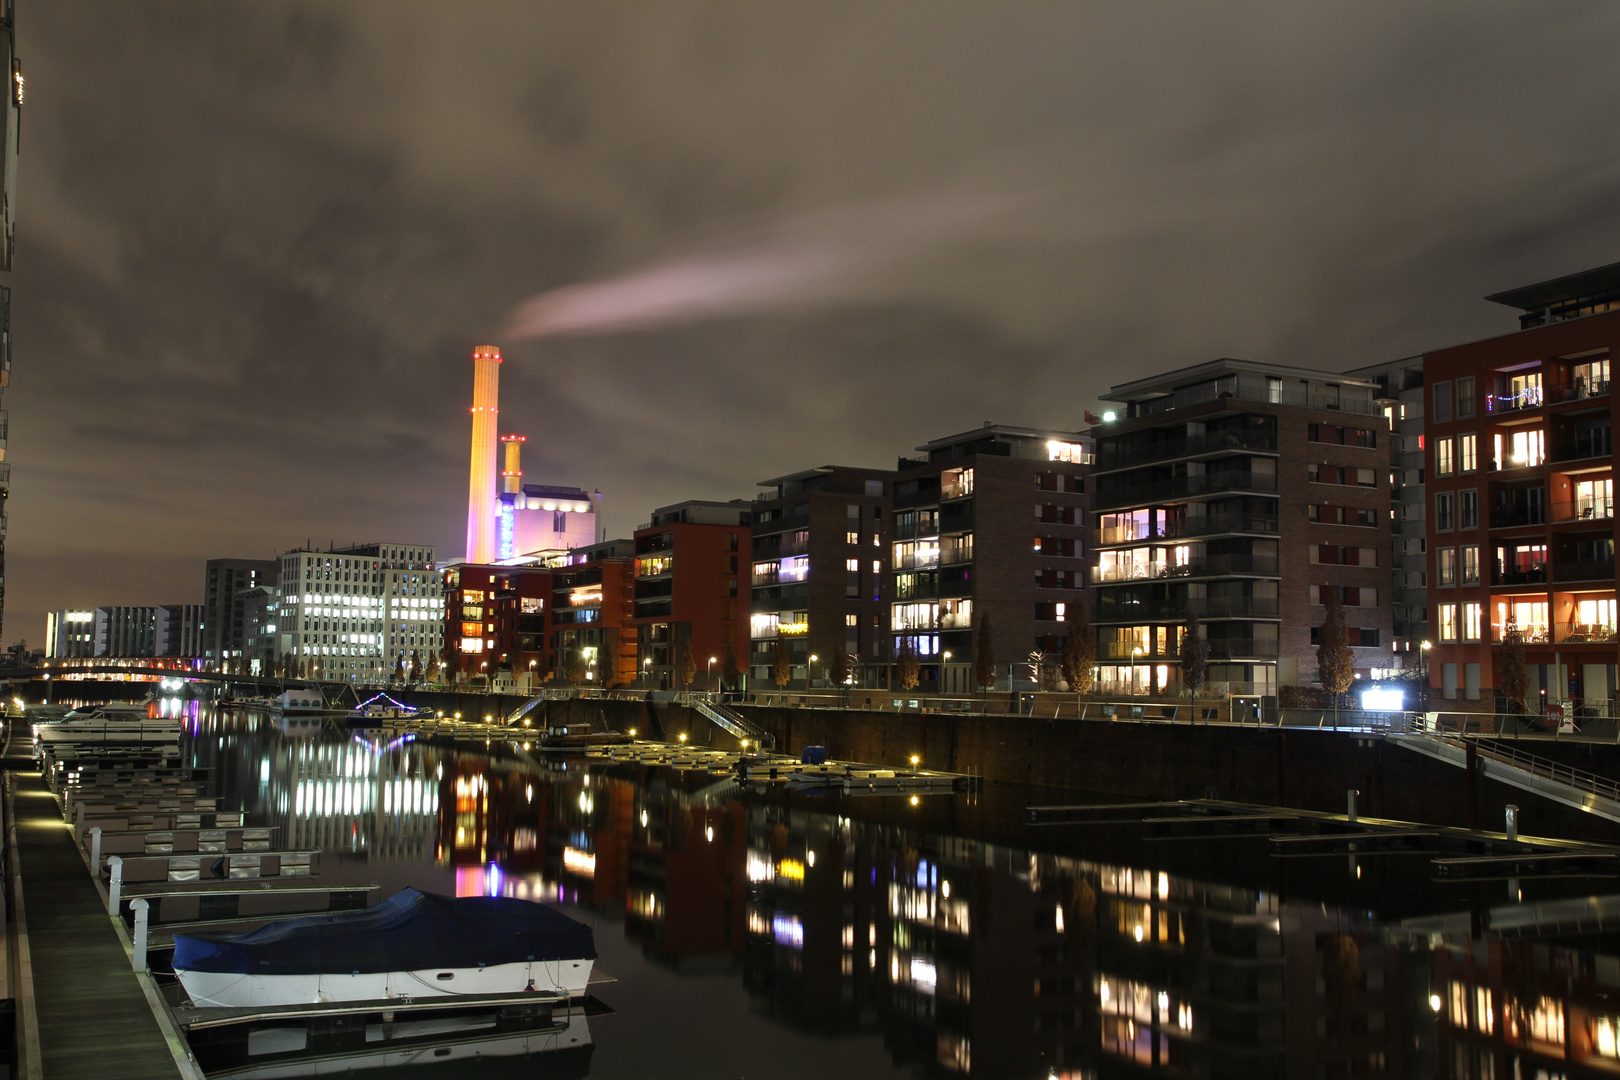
point(257, 242)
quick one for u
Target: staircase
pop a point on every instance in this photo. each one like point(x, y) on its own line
point(728, 719)
point(1527, 772)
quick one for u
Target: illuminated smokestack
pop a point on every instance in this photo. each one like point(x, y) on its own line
point(481, 479)
point(512, 475)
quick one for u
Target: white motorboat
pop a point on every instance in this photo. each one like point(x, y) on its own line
point(413, 945)
point(112, 722)
point(302, 700)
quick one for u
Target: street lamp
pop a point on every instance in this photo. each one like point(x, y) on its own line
point(646, 670)
point(711, 672)
point(532, 663)
point(944, 658)
point(810, 671)
point(1135, 653)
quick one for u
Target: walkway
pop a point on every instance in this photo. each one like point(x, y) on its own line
point(94, 1021)
point(1508, 764)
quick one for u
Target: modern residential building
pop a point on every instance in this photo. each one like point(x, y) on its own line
point(966, 547)
point(11, 119)
point(820, 575)
point(495, 622)
point(70, 632)
point(260, 652)
point(1242, 490)
point(1521, 497)
point(352, 613)
point(692, 571)
point(1400, 392)
point(224, 610)
point(592, 617)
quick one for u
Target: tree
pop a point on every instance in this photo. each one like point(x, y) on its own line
point(574, 668)
point(984, 655)
point(1194, 654)
point(1335, 663)
point(906, 669)
point(685, 666)
point(781, 665)
point(399, 669)
point(1511, 674)
point(733, 676)
point(839, 672)
point(1080, 652)
point(416, 665)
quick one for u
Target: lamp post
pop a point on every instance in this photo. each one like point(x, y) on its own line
point(646, 671)
point(810, 671)
point(1135, 652)
point(944, 658)
point(1423, 672)
point(532, 663)
point(711, 674)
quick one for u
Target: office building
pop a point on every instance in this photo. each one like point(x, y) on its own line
point(819, 548)
point(70, 632)
point(1521, 498)
point(1240, 490)
point(224, 611)
point(352, 613)
point(691, 592)
point(966, 547)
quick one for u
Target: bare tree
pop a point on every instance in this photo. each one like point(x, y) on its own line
point(839, 672)
point(1335, 663)
point(907, 671)
point(781, 665)
point(574, 667)
point(1194, 654)
point(685, 666)
point(984, 655)
point(1511, 675)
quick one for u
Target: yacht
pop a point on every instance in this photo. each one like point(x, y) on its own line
point(111, 722)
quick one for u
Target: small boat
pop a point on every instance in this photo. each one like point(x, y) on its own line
point(381, 707)
point(412, 945)
point(112, 722)
point(580, 737)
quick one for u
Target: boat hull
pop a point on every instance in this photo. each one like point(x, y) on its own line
point(233, 990)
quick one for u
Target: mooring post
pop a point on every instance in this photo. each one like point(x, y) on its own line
point(140, 908)
point(115, 882)
point(1350, 804)
point(95, 851)
point(1471, 761)
point(1512, 822)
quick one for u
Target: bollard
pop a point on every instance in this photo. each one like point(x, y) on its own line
point(115, 883)
point(95, 851)
point(140, 907)
point(1350, 800)
point(1512, 822)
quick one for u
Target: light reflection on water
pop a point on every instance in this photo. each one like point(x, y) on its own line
point(878, 939)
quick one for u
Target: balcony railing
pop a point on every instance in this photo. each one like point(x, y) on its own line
point(1529, 398)
point(1124, 457)
point(1593, 570)
point(1579, 391)
point(1203, 395)
point(1209, 607)
point(1223, 649)
point(1203, 525)
point(1184, 486)
point(1585, 511)
point(1583, 449)
point(1536, 575)
point(1507, 517)
point(1211, 566)
point(1574, 633)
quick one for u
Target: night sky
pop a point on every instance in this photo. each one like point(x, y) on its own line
point(721, 242)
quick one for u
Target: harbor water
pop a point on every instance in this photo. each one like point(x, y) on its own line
point(759, 931)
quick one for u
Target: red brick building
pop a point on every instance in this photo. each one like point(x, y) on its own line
point(691, 593)
point(1521, 498)
point(591, 620)
point(495, 622)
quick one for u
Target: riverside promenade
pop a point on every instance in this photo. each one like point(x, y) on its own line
point(92, 1018)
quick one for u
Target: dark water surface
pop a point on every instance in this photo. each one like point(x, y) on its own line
point(757, 932)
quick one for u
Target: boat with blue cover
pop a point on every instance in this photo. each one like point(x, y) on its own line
point(412, 945)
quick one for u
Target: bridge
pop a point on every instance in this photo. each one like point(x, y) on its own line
point(32, 674)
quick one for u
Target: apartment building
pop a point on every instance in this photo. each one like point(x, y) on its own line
point(691, 582)
point(965, 547)
point(1521, 490)
point(224, 625)
point(1241, 490)
point(819, 549)
point(592, 617)
point(1400, 394)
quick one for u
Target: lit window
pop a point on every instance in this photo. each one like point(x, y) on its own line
point(852, 538)
point(1473, 621)
point(1448, 622)
point(852, 565)
point(1444, 457)
point(1468, 452)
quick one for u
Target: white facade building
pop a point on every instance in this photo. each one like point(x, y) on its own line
point(355, 613)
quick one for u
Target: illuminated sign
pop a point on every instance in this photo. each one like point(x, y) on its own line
point(1383, 700)
point(505, 532)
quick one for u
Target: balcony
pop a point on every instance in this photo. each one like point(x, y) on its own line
point(1593, 570)
point(1223, 649)
point(1588, 446)
point(1186, 487)
point(1211, 566)
point(1529, 633)
point(1210, 607)
point(1203, 395)
point(1579, 391)
point(1574, 633)
point(1528, 398)
point(1509, 517)
point(1597, 510)
point(1535, 575)
point(1123, 457)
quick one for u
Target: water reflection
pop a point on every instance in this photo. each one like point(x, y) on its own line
point(960, 939)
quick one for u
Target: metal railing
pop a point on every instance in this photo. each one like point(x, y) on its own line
point(1593, 570)
point(1209, 607)
point(1203, 395)
point(1240, 649)
point(1581, 780)
point(1124, 457)
point(1184, 486)
point(1209, 566)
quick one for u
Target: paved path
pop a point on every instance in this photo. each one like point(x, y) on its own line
point(94, 1021)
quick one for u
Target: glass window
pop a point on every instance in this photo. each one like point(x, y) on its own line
point(1465, 397)
point(1528, 448)
point(1468, 509)
point(1448, 622)
point(1442, 402)
point(1473, 621)
point(1469, 558)
point(1444, 516)
point(1468, 452)
point(1445, 462)
point(1446, 566)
